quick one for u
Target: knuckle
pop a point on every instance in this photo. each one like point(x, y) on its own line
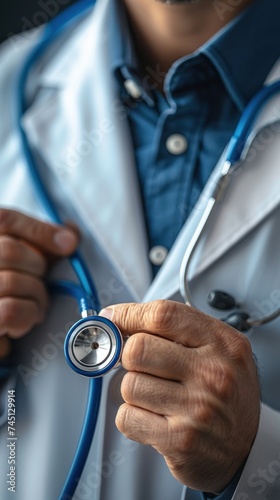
point(189, 440)
point(8, 310)
point(8, 282)
point(6, 219)
point(161, 315)
point(224, 381)
point(12, 318)
point(241, 351)
point(125, 314)
point(8, 250)
point(129, 387)
point(41, 231)
point(19, 331)
point(184, 438)
point(122, 419)
point(134, 352)
point(220, 379)
point(204, 415)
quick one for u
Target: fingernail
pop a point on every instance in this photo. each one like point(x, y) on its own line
point(107, 313)
point(65, 240)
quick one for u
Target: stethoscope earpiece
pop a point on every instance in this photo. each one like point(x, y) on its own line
point(239, 321)
point(221, 300)
point(93, 346)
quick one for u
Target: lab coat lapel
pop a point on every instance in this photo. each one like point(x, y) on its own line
point(81, 132)
point(253, 195)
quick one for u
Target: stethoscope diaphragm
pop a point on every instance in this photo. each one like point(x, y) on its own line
point(93, 346)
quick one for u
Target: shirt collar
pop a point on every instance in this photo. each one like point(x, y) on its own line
point(243, 52)
point(122, 52)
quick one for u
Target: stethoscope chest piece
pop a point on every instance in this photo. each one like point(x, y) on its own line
point(93, 346)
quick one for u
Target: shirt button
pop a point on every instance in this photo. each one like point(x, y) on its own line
point(133, 89)
point(157, 255)
point(176, 144)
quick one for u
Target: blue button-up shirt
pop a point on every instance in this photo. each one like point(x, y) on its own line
point(204, 96)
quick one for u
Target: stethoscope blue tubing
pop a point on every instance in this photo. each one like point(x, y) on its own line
point(85, 441)
point(75, 291)
point(50, 33)
point(247, 120)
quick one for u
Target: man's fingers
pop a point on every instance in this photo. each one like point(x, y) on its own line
point(18, 316)
point(173, 399)
point(23, 302)
point(50, 238)
point(166, 434)
point(16, 284)
point(157, 356)
point(27, 246)
point(177, 322)
point(159, 396)
point(17, 255)
point(141, 425)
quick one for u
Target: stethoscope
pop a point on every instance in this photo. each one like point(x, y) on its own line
point(93, 345)
point(236, 151)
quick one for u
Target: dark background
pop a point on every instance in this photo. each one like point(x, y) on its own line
point(19, 15)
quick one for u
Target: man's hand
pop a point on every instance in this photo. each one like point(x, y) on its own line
point(191, 390)
point(27, 246)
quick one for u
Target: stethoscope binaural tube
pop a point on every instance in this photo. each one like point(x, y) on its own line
point(205, 220)
point(234, 154)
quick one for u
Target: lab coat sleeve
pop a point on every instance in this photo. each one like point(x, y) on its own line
point(261, 475)
point(260, 478)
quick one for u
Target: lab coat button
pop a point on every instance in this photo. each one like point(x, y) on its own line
point(176, 144)
point(133, 89)
point(157, 255)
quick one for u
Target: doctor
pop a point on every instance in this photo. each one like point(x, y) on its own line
point(128, 114)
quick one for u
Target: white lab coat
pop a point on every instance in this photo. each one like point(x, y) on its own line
point(75, 123)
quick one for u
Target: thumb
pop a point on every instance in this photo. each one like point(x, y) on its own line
point(157, 317)
point(126, 316)
point(166, 318)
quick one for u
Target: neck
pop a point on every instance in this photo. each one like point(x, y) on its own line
point(163, 32)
